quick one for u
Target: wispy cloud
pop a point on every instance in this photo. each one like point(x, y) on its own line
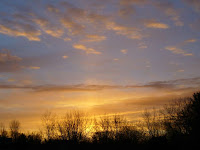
point(170, 11)
point(155, 24)
point(129, 32)
point(7, 57)
point(65, 57)
point(15, 29)
point(34, 67)
point(48, 27)
point(94, 38)
point(166, 85)
point(86, 49)
point(134, 2)
point(124, 51)
point(194, 3)
point(190, 40)
point(9, 62)
point(73, 27)
point(177, 50)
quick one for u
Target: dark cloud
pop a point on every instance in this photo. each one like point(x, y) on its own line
point(9, 62)
point(179, 84)
point(194, 3)
point(170, 11)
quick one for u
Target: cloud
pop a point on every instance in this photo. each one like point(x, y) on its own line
point(142, 45)
point(11, 80)
point(116, 59)
point(190, 41)
point(177, 50)
point(94, 38)
point(170, 85)
point(7, 57)
point(48, 27)
point(65, 57)
point(14, 28)
point(155, 24)
point(86, 49)
point(195, 25)
point(129, 32)
point(126, 11)
point(180, 70)
point(34, 67)
point(46, 88)
point(52, 8)
point(134, 2)
point(73, 27)
point(124, 51)
point(194, 3)
point(169, 11)
point(8, 62)
point(66, 18)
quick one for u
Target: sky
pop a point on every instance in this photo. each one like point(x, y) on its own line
point(100, 56)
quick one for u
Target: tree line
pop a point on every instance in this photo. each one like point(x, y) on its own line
point(177, 123)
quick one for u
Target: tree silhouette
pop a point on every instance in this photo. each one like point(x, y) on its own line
point(14, 129)
point(178, 123)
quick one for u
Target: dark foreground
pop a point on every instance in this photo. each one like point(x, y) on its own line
point(178, 127)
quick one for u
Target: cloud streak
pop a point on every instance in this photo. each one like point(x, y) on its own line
point(86, 49)
point(177, 84)
point(9, 62)
point(16, 29)
point(170, 11)
point(177, 50)
point(155, 24)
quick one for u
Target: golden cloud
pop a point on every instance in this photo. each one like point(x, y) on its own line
point(73, 27)
point(155, 24)
point(34, 67)
point(94, 38)
point(65, 57)
point(48, 27)
point(177, 50)
point(129, 32)
point(124, 51)
point(190, 41)
point(86, 49)
point(13, 28)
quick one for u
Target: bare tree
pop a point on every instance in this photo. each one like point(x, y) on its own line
point(49, 123)
point(114, 128)
point(14, 129)
point(73, 126)
point(3, 132)
point(153, 123)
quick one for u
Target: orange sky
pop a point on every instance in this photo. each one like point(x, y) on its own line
point(99, 56)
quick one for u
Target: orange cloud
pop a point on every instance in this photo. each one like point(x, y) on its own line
point(190, 41)
point(86, 49)
point(129, 32)
point(16, 29)
point(155, 24)
point(94, 38)
point(124, 51)
point(48, 27)
point(177, 50)
point(34, 67)
point(65, 57)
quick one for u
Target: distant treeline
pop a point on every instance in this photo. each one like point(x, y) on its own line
point(176, 124)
